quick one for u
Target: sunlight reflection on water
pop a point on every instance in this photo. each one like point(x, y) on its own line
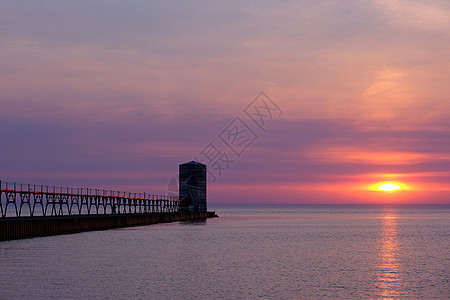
point(388, 270)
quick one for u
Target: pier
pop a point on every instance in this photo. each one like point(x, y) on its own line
point(37, 210)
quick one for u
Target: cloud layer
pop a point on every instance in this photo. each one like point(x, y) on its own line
point(115, 95)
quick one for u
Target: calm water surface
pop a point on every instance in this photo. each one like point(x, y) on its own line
point(303, 252)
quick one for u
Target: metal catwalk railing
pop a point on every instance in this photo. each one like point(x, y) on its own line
point(21, 200)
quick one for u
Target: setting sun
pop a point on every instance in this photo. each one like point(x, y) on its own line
point(389, 187)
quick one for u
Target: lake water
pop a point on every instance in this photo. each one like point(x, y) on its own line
point(291, 252)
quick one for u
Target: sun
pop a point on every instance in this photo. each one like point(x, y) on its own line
point(388, 187)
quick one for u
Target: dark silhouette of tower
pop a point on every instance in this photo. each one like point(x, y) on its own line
point(192, 186)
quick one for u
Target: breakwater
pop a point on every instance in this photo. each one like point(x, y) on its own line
point(28, 227)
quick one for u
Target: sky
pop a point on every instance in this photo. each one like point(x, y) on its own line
point(116, 94)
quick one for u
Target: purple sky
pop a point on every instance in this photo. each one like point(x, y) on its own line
point(114, 95)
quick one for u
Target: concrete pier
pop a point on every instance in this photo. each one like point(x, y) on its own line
point(28, 227)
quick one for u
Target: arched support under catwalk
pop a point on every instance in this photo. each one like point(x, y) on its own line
point(56, 201)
